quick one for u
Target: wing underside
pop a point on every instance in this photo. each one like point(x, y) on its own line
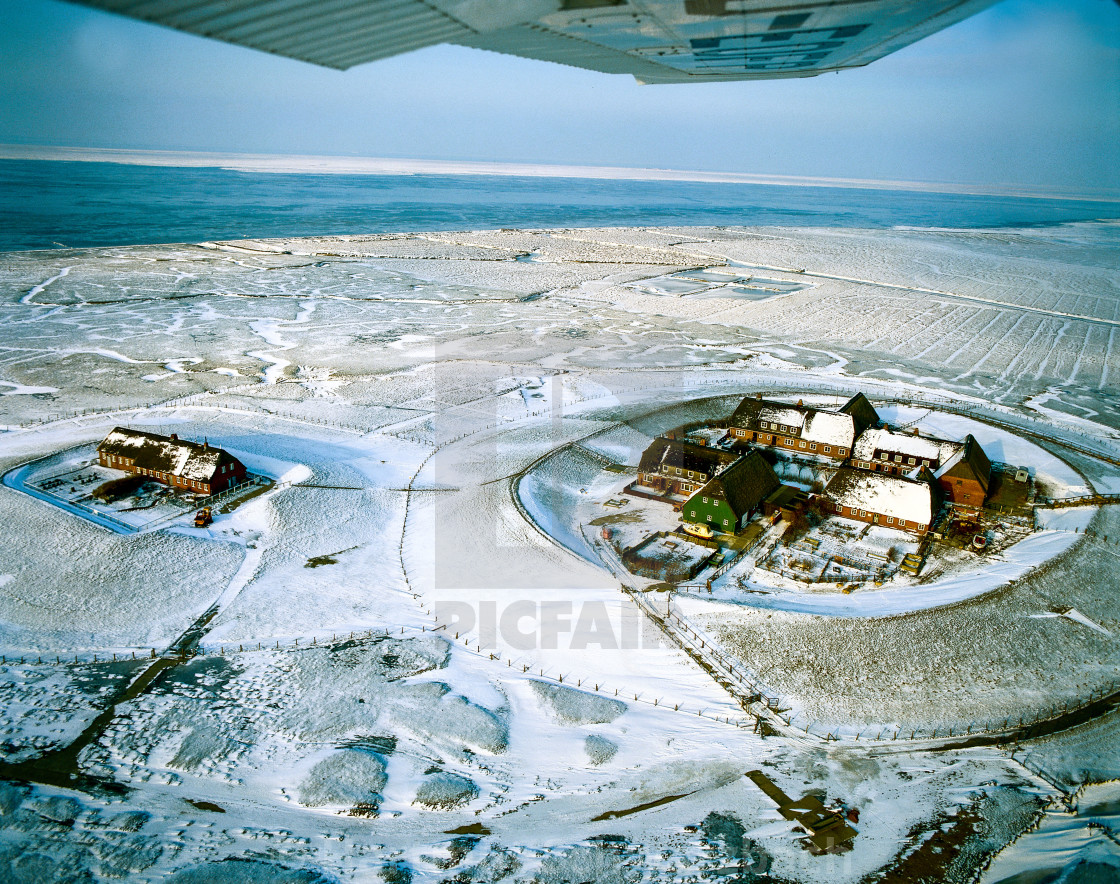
point(658, 41)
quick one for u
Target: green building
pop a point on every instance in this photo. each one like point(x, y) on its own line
point(727, 501)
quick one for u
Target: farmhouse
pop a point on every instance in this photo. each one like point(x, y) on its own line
point(727, 501)
point(889, 451)
point(674, 467)
point(883, 499)
point(964, 478)
point(802, 429)
point(171, 460)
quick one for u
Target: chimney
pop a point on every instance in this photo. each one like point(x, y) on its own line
point(915, 431)
point(800, 403)
point(757, 395)
point(205, 444)
point(174, 437)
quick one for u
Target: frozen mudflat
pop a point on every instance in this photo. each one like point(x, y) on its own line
point(409, 660)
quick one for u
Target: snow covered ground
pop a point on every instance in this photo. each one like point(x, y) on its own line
point(410, 393)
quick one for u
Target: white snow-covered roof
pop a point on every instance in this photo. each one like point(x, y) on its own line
point(787, 417)
point(882, 493)
point(936, 451)
point(829, 428)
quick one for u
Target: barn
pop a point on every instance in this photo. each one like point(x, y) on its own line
point(191, 466)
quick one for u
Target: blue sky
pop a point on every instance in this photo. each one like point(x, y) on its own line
point(1026, 93)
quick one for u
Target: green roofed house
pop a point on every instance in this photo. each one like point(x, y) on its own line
point(727, 501)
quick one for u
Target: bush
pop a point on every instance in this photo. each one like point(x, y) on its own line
point(115, 489)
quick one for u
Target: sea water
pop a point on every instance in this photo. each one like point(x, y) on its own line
point(46, 204)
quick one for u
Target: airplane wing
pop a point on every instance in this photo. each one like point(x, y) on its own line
point(658, 41)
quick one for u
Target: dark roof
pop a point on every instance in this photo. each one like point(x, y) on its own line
point(785, 495)
point(744, 484)
point(747, 411)
point(973, 464)
point(163, 454)
point(862, 412)
point(684, 455)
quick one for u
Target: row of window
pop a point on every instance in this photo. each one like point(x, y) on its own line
point(864, 514)
point(691, 473)
point(883, 455)
point(801, 443)
point(692, 514)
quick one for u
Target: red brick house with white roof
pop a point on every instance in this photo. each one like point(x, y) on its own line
point(889, 451)
point(883, 499)
point(173, 461)
point(802, 429)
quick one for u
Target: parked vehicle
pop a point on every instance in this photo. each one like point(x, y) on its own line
point(203, 517)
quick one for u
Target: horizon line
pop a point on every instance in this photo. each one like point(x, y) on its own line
point(389, 166)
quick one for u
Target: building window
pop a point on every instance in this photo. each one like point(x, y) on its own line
point(828, 449)
point(910, 461)
point(725, 523)
point(705, 500)
point(693, 514)
point(789, 442)
point(890, 520)
point(709, 518)
point(812, 446)
point(802, 443)
point(898, 458)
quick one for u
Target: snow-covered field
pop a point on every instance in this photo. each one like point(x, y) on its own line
point(502, 712)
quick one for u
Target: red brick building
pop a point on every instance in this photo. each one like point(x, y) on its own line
point(191, 466)
point(964, 479)
point(674, 467)
point(883, 499)
point(889, 451)
point(801, 429)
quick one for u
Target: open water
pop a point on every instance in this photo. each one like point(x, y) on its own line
point(45, 204)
